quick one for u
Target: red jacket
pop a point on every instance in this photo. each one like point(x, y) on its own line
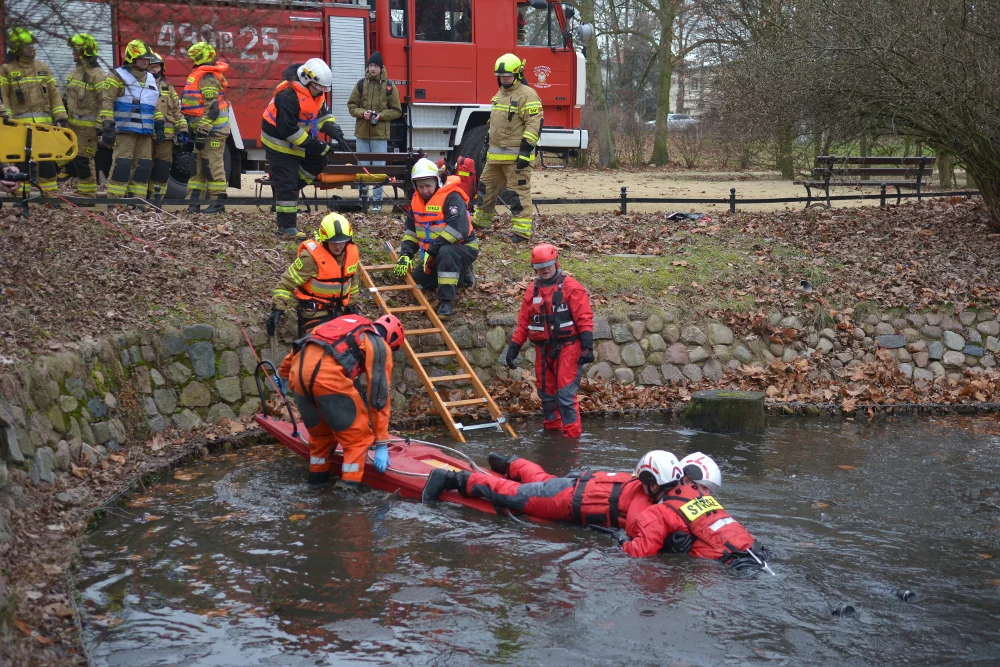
point(574, 296)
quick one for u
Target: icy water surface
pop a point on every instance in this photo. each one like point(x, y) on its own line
point(236, 561)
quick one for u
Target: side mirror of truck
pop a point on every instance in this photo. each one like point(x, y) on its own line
point(569, 11)
point(538, 4)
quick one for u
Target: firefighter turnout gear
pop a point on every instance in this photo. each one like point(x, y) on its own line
point(83, 103)
point(322, 371)
point(289, 131)
point(440, 235)
point(379, 95)
point(174, 122)
point(31, 94)
point(319, 284)
point(556, 316)
point(128, 114)
point(204, 106)
point(515, 125)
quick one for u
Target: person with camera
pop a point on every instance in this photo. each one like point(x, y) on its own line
point(374, 102)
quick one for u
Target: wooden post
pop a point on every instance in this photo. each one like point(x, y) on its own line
point(624, 205)
point(722, 411)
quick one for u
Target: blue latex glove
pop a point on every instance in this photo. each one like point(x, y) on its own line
point(280, 383)
point(381, 458)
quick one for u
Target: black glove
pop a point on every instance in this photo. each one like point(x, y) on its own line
point(200, 139)
point(159, 131)
point(678, 543)
point(333, 130)
point(523, 161)
point(621, 537)
point(108, 133)
point(586, 356)
point(586, 347)
point(181, 138)
point(272, 321)
point(62, 123)
point(352, 309)
point(512, 351)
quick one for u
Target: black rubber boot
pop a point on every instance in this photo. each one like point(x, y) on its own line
point(444, 310)
point(217, 206)
point(500, 464)
point(468, 278)
point(194, 207)
point(441, 480)
point(319, 477)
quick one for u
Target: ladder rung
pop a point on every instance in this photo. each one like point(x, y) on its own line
point(422, 332)
point(408, 309)
point(380, 267)
point(390, 288)
point(467, 401)
point(440, 353)
point(449, 378)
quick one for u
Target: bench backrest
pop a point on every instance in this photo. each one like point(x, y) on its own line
point(918, 168)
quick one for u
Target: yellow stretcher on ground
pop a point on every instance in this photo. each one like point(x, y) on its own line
point(36, 142)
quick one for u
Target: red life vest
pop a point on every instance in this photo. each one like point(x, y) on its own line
point(595, 499)
point(331, 285)
point(550, 319)
point(339, 338)
point(465, 170)
point(428, 217)
point(706, 519)
point(192, 101)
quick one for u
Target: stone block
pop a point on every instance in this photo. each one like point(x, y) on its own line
point(196, 395)
point(916, 320)
point(712, 370)
point(825, 346)
point(57, 419)
point(621, 332)
point(102, 432)
point(117, 429)
point(148, 353)
point(829, 334)
point(973, 351)
point(911, 334)
point(884, 329)
point(649, 376)
point(790, 322)
point(62, 456)
point(777, 349)
point(68, 403)
point(672, 373)
point(902, 355)
point(141, 376)
point(988, 360)
point(973, 336)
point(194, 332)
point(229, 389)
point(97, 409)
point(462, 335)
point(601, 370)
point(692, 372)
point(157, 424)
point(166, 400)
point(42, 467)
point(602, 328)
point(722, 352)
point(953, 359)
point(697, 354)
point(608, 351)
point(951, 324)
point(252, 407)
point(229, 364)
point(149, 407)
point(178, 373)
point(111, 401)
point(891, 341)
point(967, 318)
point(655, 358)
point(921, 359)
point(496, 339)
point(656, 343)
point(10, 449)
point(187, 420)
point(692, 335)
point(218, 412)
point(638, 328)
point(720, 334)
point(4, 477)
point(632, 355)
point(922, 375)
point(74, 386)
point(899, 323)
point(858, 333)
point(931, 331)
point(742, 354)
point(953, 341)
point(624, 375)
point(917, 346)
point(247, 359)
point(654, 323)
point(993, 344)
point(991, 328)
point(933, 319)
point(86, 433)
point(935, 350)
point(202, 356)
point(228, 337)
point(677, 354)
point(173, 344)
point(671, 334)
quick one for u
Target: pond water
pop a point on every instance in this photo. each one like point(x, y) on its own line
point(236, 561)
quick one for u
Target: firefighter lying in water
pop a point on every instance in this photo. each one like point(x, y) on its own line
point(663, 507)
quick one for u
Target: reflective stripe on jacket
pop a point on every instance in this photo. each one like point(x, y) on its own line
point(135, 108)
point(310, 118)
point(333, 283)
point(193, 97)
point(83, 95)
point(429, 219)
point(545, 317)
point(30, 91)
point(515, 117)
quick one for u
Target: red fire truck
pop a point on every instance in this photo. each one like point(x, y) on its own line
point(439, 53)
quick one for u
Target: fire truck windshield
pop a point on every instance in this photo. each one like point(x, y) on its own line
point(539, 27)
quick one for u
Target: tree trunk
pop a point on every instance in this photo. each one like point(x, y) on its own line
point(864, 151)
point(726, 411)
point(680, 106)
point(989, 188)
point(596, 97)
point(946, 169)
point(665, 63)
point(785, 159)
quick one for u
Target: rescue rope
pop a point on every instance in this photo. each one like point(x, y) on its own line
point(462, 455)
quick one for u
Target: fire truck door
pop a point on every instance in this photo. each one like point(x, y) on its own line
point(444, 55)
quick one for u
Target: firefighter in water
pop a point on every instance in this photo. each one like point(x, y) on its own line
point(204, 104)
point(30, 92)
point(175, 129)
point(322, 370)
point(557, 317)
point(664, 506)
point(322, 280)
point(439, 243)
point(515, 125)
point(289, 129)
point(83, 102)
point(129, 121)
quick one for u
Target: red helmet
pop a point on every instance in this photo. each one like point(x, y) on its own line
point(394, 333)
point(544, 255)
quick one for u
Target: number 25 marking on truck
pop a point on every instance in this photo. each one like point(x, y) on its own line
point(186, 33)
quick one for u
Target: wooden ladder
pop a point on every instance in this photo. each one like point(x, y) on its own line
point(468, 374)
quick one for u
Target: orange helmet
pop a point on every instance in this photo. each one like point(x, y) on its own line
point(394, 333)
point(544, 255)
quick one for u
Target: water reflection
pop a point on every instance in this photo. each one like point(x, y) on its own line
point(238, 562)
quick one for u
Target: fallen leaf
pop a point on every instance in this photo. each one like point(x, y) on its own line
point(224, 517)
point(77, 471)
point(184, 476)
point(985, 556)
point(117, 458)
point(820, 506)
point(296, 517)
point(847, 467)
point(151, 517)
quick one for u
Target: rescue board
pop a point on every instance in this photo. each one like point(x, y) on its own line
point(410, 463)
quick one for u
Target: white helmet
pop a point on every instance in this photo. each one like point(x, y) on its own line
point(701, 468)
point(425, 168)
point(658, 466)
point(315, 71)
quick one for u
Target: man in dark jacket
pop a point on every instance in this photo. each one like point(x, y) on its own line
point(375, 104)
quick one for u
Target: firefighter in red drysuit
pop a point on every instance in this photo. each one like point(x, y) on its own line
point(556, 316)
point(662, 507)
point(321, 371)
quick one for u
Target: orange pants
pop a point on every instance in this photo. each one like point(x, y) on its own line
point(336, 417)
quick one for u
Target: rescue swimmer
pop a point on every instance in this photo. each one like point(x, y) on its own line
point(664, 506)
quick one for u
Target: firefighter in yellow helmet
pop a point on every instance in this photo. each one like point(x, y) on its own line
point(514, 127)
point(322, 280)
point(175, 128)
point(129, 121)
point(83, 102)
point(204, 104)
point(31, 94)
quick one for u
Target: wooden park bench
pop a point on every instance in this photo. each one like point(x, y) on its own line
point(342, 170)
point(829, 171)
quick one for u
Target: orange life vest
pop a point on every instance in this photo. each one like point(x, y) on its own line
point(309, 113)
point(428, 216)
point(595, 499)
point(706, 519)
point(332, 283)
point(193, 102)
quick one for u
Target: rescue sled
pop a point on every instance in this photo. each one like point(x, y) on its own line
point(410, 461)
